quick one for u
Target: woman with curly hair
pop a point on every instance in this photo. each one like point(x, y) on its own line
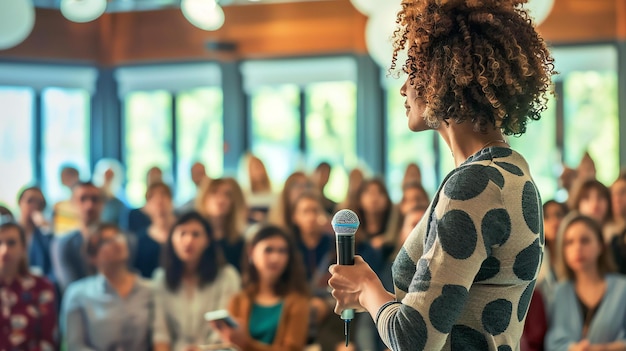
point(477, 70)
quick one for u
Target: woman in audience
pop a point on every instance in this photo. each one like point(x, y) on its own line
point(111, 310)
point(412, 174)
point(413, 195)
point(28, 317)
point(281, 213)
point(553, 214)
point(272, 311)
point(221, 201)
point(38, 236)
point(139, 218)
point(618, 204)
point(195, 279)
point(590, 309)
point(593, 199)
point(355, 180)
point(151, 239)
point(260, 196)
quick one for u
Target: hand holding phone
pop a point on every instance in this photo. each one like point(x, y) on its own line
point(220, 316)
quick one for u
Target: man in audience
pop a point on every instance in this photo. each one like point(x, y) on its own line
point(321, 175)
point(67, 252)
point(198, 175)
point(65, 215)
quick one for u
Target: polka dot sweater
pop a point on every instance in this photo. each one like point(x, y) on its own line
point(465, 275)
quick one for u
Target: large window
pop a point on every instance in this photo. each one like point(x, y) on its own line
point(591, 121)
point(148, 140)
point(276, 129)
point(199, 136)
point(16, 142)
point(65, 132)
point(331, 131)
point(405, 147)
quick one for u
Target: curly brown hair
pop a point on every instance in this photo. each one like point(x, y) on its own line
point(477, 60)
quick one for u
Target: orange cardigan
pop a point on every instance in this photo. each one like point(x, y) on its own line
point(293, 326)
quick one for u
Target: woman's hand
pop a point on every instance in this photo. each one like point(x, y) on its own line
point(229, 335)
point(349, 282)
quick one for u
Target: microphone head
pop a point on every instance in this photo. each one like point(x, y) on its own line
point(345, 222)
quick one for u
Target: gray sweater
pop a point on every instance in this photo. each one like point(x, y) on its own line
point(465, 275)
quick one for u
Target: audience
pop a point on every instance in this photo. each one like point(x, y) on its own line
point(68, 262)
point(259, 196)
point(351, 201)
point(618, 204)
point(413, 195)
point(151, 239)
point(281, 212)
point(111, 310)
point(198, 177)
point(593, 199)
point(194, 279)
point(32, 204)
point(28, 316)
point(65, 217)
point(553, 214)
point(590, 310)
point(108, 175)
point(139, 218)
point(221, 202)
point(272, 311)
point(320, 178)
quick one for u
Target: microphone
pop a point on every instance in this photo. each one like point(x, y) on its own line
point(345, 224)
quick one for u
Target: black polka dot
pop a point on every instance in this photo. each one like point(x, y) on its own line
point(409, 319)
point(504, 348)
point(421, 279)
point(501, 152)
point(445, 310)
point(465, 338)
point(489, 269)
point(524, 301)
point(495, 176)
point(496, 228)
point(497, 316)
point(457, 234)
point(402, 277)
point(531, 207)
point(511, 168)
point(527, 261)
point(467, 183)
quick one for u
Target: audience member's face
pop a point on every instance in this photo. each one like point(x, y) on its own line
point(219, 204)
point(297, 187)
point(581, 248)
point(270, 257)
point(89, 202)
point(32, 201)
point(69, 178)
point(198, 173)
point(155, 175)
point(410, 221)
point(113, 248)
point(552, 218)
point(257, 171)
point(109, 175)
point(411, 198)
point(618, 199)
point(189, 241)
point(306, 215)
point(159, 203)
point(412, 174)
point(321, 177)
point(11, 250)
point(594, 205)
point(373, 199)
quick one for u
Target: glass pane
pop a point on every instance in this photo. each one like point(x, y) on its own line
point(148, 140)
point(591, 121)
point(65, 132)
point(199, 135)
point(538, 146)
point(405, 146)
point(276, 129)
point(331, 132)
point(16, 143)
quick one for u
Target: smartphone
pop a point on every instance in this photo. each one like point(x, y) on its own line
point(220, 315)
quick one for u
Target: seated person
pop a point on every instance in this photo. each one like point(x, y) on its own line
point(589, 310)
point(112, 309)
point(28, 315)
point(194, 279)
point(272, 312)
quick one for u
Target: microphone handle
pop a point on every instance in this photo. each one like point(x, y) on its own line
point(345, 256)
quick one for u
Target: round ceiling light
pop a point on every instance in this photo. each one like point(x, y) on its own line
point(82, 11)
point(204, 14)
point(17, 19)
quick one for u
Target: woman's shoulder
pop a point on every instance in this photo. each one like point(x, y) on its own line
point(617, 280)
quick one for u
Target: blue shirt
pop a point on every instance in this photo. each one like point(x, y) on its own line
point(95, 317)
point(148, 255)
point(264, 322)
point(39, 253)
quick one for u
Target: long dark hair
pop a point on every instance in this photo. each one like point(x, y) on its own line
point(380, 184)
point(211, 261)
point(293, 278)
point(22, 268)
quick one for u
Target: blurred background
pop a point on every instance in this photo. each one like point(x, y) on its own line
point(160, 83)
